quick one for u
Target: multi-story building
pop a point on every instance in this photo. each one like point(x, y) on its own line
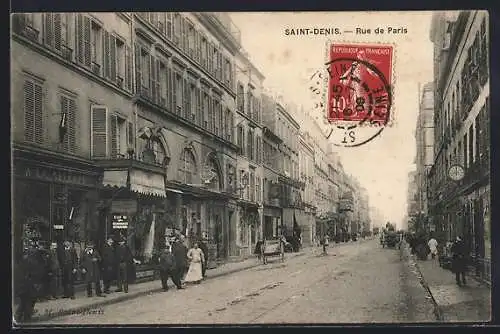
point(306, 170)
point(124, 124)
point(461, 127)
point(424, 136)
point(413, 208)
point(249, 161)
point(281, 172)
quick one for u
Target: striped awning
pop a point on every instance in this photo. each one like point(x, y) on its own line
point(146, 183)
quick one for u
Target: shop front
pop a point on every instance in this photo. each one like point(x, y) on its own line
point(272, 221)
point(54, 199)
point(135, 206)
point(249, 227)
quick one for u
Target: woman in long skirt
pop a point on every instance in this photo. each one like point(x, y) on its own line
point(197, 258)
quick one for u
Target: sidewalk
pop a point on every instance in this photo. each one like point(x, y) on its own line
point(60, 307)
point(470, 303)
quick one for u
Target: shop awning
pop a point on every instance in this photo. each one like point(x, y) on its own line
point(146, 183)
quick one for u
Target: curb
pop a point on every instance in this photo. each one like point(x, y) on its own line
point(411, 259)
point(92, 307)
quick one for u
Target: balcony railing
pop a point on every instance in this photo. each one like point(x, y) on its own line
point(224, 21)
point(22, 26)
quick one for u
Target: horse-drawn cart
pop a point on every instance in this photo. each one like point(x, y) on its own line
point(272, 247)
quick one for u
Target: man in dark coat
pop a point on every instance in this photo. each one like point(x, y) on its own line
point(108, 264)
point(90, 263)
point(46, 260)
point(204, 248)
point(29, 272)
point(55, 271)
point(180, 251)
point(124, 259)
point(69, 264)
point(168, 269)
point(459, 260)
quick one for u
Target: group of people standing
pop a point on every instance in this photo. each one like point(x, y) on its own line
point(42, 271)
point(181, 264)
point(457, 249)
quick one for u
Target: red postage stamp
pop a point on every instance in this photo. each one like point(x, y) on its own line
point(359, 85)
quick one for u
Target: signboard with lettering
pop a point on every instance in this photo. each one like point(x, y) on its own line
point(120, 221)
point(125, 206)
point(57, 175)
point(58, 227)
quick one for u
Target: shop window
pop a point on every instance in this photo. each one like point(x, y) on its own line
point(187, 167)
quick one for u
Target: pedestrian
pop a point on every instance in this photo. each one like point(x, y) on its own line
point(46, 264)
point(91, 269)
point(180, 251)
point(459, 262)
point(123, 259)
point(196, 258)
point(55, 271)
point(204, 248)
point(28, 282)
point(325, 244)
point(168, 269)
point(108, 264)
point(69, 263)
point(258, 249)
point(433, 246)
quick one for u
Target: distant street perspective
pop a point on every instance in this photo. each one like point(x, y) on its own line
point(338, 287)
point(239, 168)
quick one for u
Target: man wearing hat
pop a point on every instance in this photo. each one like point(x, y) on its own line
point(69, 264)
point(123, 260)
point(180, 251)
point(90, 265)
point(108, 264)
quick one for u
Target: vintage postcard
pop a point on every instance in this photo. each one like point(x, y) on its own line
point(187, 168)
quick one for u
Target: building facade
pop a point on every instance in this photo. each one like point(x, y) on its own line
point(461, 127)
point(306, 170)
point(134, 135)
point(249, 136)
point(424, 136)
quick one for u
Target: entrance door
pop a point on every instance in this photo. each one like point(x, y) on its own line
point(268, 227)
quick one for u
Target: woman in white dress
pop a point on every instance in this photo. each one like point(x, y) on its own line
point(196, 257)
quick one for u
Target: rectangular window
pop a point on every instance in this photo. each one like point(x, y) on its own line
point(33, 111)
point(169, 25)
point(178, 93)
point(118, 140)
point(177, 29)
point(240, 140)
point(96, 43)
point(191, 41)
point(162, 81)
point(206, 110)
point(204, 52)
point(68, 123)
point(229, 125)
point(240, 98)
point(252, 187)
point(120, 62)
point(250, 150)
point(194, 102)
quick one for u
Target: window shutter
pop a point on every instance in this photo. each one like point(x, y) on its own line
point(72, 126)
point(249, 103)
point(99, 120)
point(57, 31)
point(48, 29)
point(115, 149)
point(80, 46)
point(29, 111)
point(199, 106)
point(169, 26)
point(86, 40)
point(106, 54)
point(170, 89)
point(158, 83)
point(210, 57)
point(152, 79)
point(130, 134)
point(197, 46)
point(184, 34)
point(128, 68)
point(220, 65)
point(112, 59)
point(138, 70)
point(185, 97)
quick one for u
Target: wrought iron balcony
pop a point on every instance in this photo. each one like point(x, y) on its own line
point(22, 26)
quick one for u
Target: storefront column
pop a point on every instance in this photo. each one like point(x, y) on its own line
point(178, 212)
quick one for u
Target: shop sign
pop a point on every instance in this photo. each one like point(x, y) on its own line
point(58, 227)
point(60, 176)
point(125, 206)
point(145, 273)
point(120, 222)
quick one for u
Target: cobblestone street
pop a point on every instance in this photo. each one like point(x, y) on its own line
point(356, 282)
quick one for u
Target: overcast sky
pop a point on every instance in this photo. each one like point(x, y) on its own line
point(381, 165)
